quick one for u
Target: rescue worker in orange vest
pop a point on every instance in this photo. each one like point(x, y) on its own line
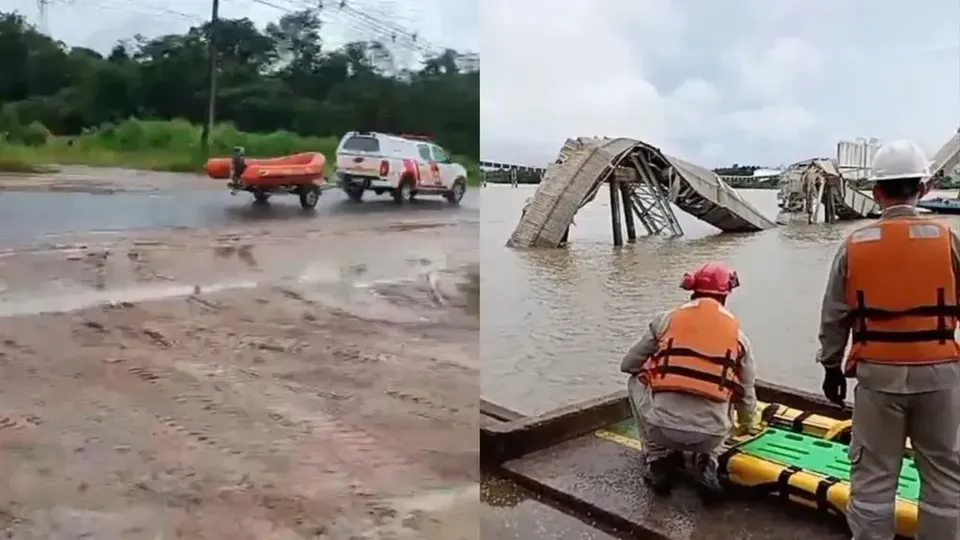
point(686, 373)
point(892, 290)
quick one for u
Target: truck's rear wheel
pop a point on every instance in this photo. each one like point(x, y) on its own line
point(403, 191)
point(354, 193)
point(261, 196)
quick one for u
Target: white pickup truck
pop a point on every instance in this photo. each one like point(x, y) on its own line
point(403, 165)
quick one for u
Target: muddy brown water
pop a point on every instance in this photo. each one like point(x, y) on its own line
point(555, 323)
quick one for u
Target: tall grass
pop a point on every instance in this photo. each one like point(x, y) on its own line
point(167, 145)
point(162, 145)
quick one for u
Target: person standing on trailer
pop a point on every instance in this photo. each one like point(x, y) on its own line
point(893, 290)
point(690, 367)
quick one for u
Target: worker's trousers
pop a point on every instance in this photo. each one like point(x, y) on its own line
point(660, 442)
point(881, 424)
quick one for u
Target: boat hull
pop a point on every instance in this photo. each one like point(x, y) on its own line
point(941, 206)
point(293, 170)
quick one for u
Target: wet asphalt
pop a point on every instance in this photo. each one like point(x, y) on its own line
point(25, 215)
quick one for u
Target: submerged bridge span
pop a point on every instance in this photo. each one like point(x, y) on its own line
point(646, 180)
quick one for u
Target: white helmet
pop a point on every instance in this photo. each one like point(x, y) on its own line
point(899, 159)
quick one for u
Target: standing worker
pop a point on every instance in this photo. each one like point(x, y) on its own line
point(893, 286)
point(692, 365)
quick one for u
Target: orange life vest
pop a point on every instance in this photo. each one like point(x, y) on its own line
point(699, 353)
point(902, 289)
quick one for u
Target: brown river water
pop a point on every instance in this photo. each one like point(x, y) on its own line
point(555, 323)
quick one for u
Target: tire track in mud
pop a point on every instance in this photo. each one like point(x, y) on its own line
point(318, 439)
point(91, 457)
point(361, 454)
point(173, 473)
point(194, 407)
point(318, 447)
point(173, 463)
point(134, 380)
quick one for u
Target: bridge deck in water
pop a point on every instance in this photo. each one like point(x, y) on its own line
point(586, 164)
point(851, 203)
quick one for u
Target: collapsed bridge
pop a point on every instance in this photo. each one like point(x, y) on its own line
point(645, 179)
point(808, 185)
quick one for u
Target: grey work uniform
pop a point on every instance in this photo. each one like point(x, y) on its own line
point(891, 403)
point(672, 421)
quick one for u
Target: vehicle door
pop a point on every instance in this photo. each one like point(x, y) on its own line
point(445, 170)
point(429, 171)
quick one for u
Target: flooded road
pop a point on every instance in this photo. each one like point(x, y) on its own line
point(555, 323)
point(84, 199)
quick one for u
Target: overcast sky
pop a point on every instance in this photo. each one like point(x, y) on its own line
point(98, 24)
point(750, 81)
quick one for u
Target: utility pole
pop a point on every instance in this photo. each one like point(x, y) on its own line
point(212, 90)
point(42, 8)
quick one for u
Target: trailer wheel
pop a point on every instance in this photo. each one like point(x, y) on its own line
point(309, 196)
point(261, 196)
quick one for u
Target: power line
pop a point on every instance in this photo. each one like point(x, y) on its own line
point(274, 6)
point(362, 25)
point(387, 28)
point(153, 9)
point(345, 15)
point(373, 30)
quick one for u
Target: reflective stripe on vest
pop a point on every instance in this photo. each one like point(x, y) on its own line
point(699, 353)
point(901, 289)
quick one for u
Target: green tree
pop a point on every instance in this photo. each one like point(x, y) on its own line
point(277, 78)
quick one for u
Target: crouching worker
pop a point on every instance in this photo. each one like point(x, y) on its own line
point(686, 373)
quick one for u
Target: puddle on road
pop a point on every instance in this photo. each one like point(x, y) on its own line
point(324, 283)
point(80, 299)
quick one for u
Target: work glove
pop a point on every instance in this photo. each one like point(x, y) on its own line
point(743, 430)
point(834, 385)
point(752, 427)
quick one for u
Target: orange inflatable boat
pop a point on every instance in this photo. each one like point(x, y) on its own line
point(296, 169)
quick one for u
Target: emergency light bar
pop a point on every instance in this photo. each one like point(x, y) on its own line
point(417, 136)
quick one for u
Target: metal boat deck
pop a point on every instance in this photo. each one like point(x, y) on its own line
point(560, 457)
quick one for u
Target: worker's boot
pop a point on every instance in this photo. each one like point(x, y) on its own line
point(707, 476)
point(661, 473)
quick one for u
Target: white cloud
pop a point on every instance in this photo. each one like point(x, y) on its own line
point(774, 72)
point(748, 81)
point(564, 78)
point(777, 123)
point(653, 25)
point(689, 104)
point(780, 11)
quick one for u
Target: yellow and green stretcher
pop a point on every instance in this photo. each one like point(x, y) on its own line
point(799, 458)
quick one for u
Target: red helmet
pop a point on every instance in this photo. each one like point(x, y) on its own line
point(711, 278)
